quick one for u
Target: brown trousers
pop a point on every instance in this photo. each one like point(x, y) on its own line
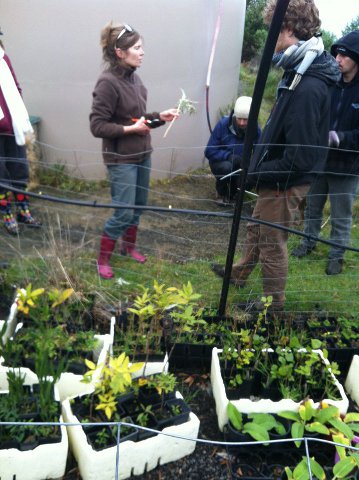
point(268, 245)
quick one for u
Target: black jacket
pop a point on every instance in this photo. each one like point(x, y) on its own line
point(293, 143)
point(345, 121)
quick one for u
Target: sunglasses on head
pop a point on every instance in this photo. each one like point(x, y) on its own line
point(126, 28)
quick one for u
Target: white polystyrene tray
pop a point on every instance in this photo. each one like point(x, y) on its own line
point(246, 405)
point(134, 457)
point(44, 461)
point(352, 380)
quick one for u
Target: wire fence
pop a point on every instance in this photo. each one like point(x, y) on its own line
point(311, 444)
point(182, 226)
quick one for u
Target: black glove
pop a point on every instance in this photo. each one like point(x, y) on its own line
point(156, 122)
point(236, 161)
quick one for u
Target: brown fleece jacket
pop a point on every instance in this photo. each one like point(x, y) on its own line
point(118, 97)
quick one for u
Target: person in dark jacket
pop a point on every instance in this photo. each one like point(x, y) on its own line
point(119, 117)
point(15, 131)
point(225, 148)
point(341, 178)
point(290, 149)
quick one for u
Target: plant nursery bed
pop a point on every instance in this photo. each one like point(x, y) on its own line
point(264, 405)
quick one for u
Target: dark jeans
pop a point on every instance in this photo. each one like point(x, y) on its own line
point(227, 187)
point(14, 168)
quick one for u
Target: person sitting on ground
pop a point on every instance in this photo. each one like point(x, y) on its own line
point(225, 148)
point(341, 176)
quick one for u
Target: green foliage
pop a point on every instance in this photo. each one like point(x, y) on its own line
point(328, 39)
point(60, 177)
point(255, 31)
point(301, 471)
point(353, 25)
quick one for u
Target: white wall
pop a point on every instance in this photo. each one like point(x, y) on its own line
point(54, 48)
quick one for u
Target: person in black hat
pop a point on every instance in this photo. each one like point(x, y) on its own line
point(340, 180)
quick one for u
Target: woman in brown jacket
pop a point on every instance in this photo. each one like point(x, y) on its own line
point(119, 117)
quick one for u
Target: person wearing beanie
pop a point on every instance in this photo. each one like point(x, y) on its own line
point(225, 149)
point(290, 149)
point(15, 131)
point(340, 179)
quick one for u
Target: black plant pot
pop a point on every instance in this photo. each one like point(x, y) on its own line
point(247, 465)
point(271, 392)
point(173, 412)
point(105, 436)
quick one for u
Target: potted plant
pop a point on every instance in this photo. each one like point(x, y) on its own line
point(46, 340)
point(261, 427)
point(30, 451)
point(302, 362)
point(113, 391)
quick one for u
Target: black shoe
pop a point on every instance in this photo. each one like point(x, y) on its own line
point(302, 250)
point(219, 270)
point(334, 267)
point(225, 202)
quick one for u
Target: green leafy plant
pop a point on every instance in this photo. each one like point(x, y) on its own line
point(301, 471)
point(155, 313)
point(325, 420)
point(258, 427)
point(143, 417)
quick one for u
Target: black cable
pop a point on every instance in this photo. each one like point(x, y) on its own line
point(153, 208)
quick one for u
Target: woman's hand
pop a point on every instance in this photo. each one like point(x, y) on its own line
point(169, 115)
point(139, 127)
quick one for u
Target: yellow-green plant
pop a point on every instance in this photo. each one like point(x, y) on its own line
point(27, 298)
point(155, 306)
point(115, 378)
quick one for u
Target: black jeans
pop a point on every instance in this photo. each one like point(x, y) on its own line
point(14, 167)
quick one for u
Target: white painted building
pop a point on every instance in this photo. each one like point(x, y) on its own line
point(55, 51)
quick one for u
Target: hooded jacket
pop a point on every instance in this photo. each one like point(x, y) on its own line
point(118, 97)
point(347, 45)
point(293, 146)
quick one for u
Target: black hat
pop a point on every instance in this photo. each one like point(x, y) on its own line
point(348, 46)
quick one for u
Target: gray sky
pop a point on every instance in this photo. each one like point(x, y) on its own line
point(336, 14)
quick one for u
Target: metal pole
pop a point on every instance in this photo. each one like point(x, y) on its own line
point(251, 132)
